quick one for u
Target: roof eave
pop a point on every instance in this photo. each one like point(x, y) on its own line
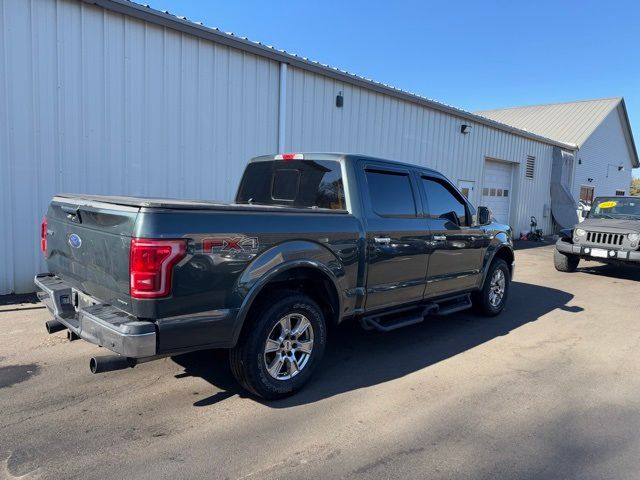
point(629, 136)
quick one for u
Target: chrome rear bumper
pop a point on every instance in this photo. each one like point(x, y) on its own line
point(97, 323)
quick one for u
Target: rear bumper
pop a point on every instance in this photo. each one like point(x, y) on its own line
point(100, 324)
point(567, 248)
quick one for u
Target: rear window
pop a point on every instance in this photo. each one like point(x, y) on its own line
point(293, 183)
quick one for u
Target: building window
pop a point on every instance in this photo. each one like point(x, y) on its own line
point(586, 194)
point(531, 167)
point(619, 193)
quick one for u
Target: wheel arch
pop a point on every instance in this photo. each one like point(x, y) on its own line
point(309, 276)
point(504, 252)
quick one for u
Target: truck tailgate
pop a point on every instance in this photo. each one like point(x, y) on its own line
point(88, 245)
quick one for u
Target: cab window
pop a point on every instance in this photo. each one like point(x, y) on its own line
point(443, 202)
point(390, 193)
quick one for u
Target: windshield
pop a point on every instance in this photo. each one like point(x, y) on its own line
point(293, 183)
point(616, 207)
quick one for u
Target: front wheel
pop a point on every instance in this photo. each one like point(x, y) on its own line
point(565, 263)
point(280, 347)
point(491, 299)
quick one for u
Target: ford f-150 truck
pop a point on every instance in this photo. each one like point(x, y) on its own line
point(609, 234)
point(311, 240)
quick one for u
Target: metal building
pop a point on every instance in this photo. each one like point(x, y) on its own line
point(601, 131)
point(111, 97)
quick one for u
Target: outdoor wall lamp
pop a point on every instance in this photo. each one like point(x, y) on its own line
point(464, 129)
point(339, 100)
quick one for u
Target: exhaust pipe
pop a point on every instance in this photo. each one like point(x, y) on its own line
point(109, 363)
point(54, 326)
point(71, 336)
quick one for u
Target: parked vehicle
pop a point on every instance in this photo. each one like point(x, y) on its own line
point(311, 240)
point(609, 234)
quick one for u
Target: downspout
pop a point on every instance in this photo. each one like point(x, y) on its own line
point(282, 108)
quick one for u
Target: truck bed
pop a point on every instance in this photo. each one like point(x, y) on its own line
point(180, 204)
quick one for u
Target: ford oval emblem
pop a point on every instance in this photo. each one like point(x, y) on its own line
point(75, 241)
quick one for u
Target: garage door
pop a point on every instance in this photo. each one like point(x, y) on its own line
point(496, 189)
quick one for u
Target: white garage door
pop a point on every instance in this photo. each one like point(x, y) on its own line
point(496, 189)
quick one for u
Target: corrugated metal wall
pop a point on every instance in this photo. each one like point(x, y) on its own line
point(92, 101)
point(375, 124)
point(605, 149)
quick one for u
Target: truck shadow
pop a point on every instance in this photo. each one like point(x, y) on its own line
point(357, 359)
point(613, 271)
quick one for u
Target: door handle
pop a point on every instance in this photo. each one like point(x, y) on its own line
point(439, 238)
point(382, 240)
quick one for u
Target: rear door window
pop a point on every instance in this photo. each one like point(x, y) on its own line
point(390, 193)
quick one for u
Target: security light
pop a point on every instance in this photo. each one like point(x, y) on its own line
point(464, 129)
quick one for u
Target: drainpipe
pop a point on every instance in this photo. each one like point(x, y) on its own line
point(282, 108)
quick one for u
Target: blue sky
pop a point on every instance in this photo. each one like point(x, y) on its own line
point(470, 54)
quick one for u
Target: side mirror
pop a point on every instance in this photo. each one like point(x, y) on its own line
point(484, 216)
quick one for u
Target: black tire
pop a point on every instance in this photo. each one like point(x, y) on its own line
point(247, 358)
point(481, 299)
point(565, 263)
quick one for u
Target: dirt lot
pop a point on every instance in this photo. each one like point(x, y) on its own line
point(550, 389)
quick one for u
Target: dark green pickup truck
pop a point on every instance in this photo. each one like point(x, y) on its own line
point(311, 240)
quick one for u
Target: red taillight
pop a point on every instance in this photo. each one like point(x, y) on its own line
point(150, 266)
point(43, 236)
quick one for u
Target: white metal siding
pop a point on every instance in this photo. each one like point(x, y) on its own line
point(96, 102)
point(93, 101)
point(375, 124)
point(604, 150)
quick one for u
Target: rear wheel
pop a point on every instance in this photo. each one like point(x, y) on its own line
point(280, 348)
point(565, 263)
point(490, 301)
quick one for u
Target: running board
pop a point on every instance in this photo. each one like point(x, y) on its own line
point(453, 305)
point(403, 317)
point(397, 318)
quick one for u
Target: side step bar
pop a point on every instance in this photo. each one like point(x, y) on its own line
point(404, 317)
point(453, 305)
point(395, 319)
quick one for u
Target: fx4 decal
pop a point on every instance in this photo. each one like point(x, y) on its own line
point(230, 244)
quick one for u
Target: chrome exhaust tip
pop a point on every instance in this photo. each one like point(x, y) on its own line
point(109, 363)
point(54, 326)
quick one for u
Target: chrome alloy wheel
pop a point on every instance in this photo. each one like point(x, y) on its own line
point(497, 287)
point(288, 347)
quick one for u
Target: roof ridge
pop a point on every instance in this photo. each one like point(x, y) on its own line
point(551, 104)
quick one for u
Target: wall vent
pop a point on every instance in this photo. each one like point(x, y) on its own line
point(531, 167)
